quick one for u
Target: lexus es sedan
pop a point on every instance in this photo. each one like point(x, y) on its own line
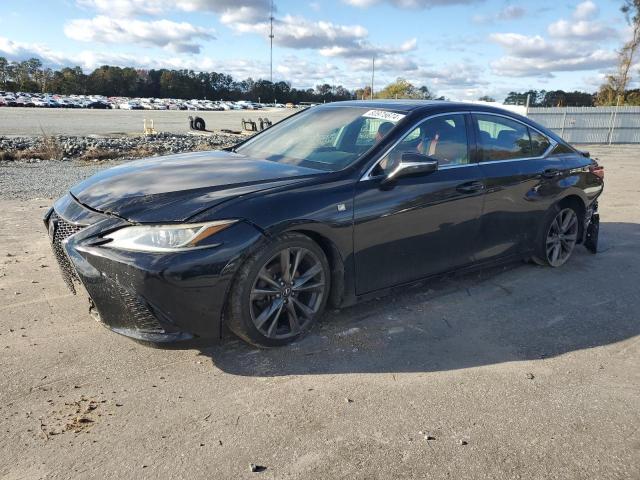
point(335, 204)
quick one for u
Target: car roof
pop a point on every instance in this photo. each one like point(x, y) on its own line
point(425, 107)
point(414, 105)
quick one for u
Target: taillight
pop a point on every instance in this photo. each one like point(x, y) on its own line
point(597, 170)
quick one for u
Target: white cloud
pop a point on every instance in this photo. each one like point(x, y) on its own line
point(583, 25)
point(530, 67)
point(535, 56)
point(399, 66)
point(330, 39)
point(303, 72)
point(585, 10)
point(453, 76)
point(411, 4)
point(251, 10)
point(582, 29)
point(178, 37)
point(243, 16)
point(573, 45)
point(510, 12)
point(297, 32)
point(365, 50)
point(17, 51)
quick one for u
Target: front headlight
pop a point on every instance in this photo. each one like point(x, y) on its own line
point(166, 238)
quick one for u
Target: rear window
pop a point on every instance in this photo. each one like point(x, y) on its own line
point(539, 143)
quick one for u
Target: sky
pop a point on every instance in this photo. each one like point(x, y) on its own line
point(461, 49)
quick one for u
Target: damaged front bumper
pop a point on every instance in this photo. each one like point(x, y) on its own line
point(153, 297)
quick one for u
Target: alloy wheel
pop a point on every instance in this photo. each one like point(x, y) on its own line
point(562, 237)
point(287, 292)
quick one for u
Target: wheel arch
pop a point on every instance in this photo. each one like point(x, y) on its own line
point(578, 204)
point(336, 262)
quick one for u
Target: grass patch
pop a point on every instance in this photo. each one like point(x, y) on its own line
point(95, 153)
point(141, 152)
point(203, 147)
point(7, 155)
point(50, 149)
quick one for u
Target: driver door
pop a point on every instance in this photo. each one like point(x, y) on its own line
point(419, 225)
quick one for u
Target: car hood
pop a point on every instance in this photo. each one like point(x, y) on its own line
point(176, 187)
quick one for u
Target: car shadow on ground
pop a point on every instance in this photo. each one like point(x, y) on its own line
point(506, 314)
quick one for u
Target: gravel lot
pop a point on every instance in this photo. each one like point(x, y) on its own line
point(32, 178)
point(64, 121)
point(520, 372)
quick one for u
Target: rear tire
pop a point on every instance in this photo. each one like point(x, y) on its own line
point(558, 236)
point(279, 292)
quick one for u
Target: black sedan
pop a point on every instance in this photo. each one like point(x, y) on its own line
point(338, 203)
point(99, 105)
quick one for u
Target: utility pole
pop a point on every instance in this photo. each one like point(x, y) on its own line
point(373, 71)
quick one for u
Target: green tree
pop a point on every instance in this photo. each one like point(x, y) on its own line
point(401, 88)
point(4, 72)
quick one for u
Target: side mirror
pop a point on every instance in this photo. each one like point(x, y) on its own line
point(412, 164)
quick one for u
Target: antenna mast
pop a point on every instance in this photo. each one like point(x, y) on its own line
point(271, 41)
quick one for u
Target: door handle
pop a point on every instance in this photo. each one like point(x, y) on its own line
point(470, 187)
point(551, 173)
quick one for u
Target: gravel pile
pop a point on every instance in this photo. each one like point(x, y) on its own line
point(25, 175)
point(45, 179)
point(62, 147)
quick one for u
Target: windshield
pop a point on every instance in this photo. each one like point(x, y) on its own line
point(325, 138)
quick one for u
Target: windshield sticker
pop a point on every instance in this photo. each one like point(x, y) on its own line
point(382, 115)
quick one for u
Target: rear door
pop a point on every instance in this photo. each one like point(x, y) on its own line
point(521, 180)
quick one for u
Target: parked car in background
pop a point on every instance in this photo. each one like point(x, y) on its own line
point(49, 100)
point(98, 105)
point(131, 105)
point(24, 101)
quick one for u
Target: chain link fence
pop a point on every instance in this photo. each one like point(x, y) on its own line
point(606, 125)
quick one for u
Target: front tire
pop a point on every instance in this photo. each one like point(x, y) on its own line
point(558, 237)
point(279, 292)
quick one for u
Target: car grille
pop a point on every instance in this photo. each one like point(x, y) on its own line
point(140, 316)
point(63, 230)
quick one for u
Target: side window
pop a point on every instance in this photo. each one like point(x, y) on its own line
point(561, 149)
point(502, 138)
point(539, 143)
point(442, 138)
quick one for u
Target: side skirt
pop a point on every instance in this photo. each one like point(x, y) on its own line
point(465, 270)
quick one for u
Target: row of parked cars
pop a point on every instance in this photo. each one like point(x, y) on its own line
point(45, 100)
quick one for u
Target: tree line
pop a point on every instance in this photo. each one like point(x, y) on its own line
point(553, 98)
point(31, 76)
point(560, 98)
